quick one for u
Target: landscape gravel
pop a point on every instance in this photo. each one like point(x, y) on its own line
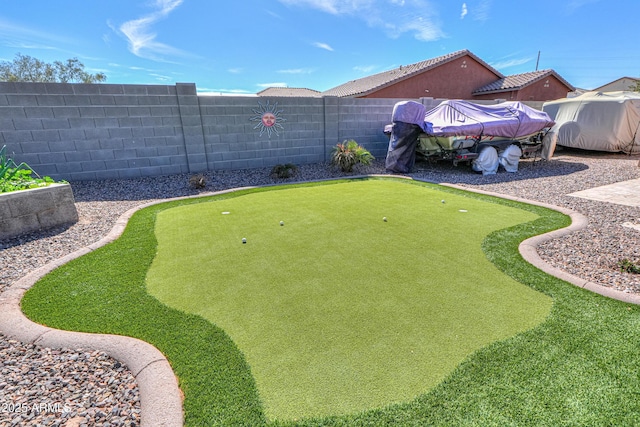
point(74, 387)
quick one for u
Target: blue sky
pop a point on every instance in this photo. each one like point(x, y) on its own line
point(244, 46)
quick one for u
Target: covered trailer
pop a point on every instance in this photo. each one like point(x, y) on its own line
point(460, 131)
point(600, 121)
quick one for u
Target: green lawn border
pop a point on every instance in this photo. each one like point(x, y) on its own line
point(580, 367)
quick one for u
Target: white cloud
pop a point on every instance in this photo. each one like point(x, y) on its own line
point(577, 4)
point(422, 27)
point(365, 69)
point(395, 17)
point(142, 40)
point(510, 63)
point(464, 11)
point(335, 7)
point(296, 71)
point(224, 92)
point(266, 85)
point(481, 13)
point(20, 37)
point(148, 70)
point(323, 46)
point(273, 14)
point(161, 77)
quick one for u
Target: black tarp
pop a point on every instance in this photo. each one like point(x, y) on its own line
point(401, 155)
point(408, 123)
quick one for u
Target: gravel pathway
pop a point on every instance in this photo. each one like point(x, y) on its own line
point(45, 387)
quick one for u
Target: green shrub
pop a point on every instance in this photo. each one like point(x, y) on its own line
point(197, 181)
point(284, 171)
point(14, 177)
point(627, 266)
point(349, 153)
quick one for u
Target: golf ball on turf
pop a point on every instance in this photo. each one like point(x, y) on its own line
point(244, 240)
point(384, 219)
point(281, 222)
point(442, 201)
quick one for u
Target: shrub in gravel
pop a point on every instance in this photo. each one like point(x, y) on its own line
point(197, 181)
point(284, 171)
point(628, 266)
point(349, 153)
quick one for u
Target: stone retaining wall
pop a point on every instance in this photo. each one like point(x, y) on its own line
point(35, 209)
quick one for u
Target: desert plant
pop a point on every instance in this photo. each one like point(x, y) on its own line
point(349, 153)
point(628, 266)
point(197, 181)
point(284, 171)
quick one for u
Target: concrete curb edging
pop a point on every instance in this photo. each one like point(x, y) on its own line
point(160, 395)
point(528, 247)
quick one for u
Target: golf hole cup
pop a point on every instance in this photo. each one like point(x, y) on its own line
point(244, 240)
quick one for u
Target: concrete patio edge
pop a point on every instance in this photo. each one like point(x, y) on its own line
point(160, 395)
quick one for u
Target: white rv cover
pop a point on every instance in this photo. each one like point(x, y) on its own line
point(601, 121)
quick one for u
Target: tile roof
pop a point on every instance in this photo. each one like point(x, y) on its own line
point(375, 82)
point(518, 81)
point(289, 92)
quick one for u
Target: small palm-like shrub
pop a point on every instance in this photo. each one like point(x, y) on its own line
point(349, 153)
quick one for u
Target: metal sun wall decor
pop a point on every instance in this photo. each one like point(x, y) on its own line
point(268, 118)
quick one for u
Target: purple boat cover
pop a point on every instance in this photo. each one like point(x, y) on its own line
point(411, 112)
point(507, 119)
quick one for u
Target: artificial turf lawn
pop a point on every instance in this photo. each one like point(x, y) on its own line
point(338, 311)
point(579, 367)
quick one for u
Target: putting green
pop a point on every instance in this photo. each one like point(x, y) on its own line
point(338, 311)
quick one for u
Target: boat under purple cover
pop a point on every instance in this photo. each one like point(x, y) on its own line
point(507, 119)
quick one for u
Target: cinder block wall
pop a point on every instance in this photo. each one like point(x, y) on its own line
point(85, 131)
point(363, 119)
point(112, 131)
point(236, 139)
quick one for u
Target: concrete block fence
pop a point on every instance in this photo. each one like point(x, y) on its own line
point(111, 131)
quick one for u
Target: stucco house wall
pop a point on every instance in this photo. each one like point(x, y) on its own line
point(624, 83)
point(545, 89)
point(456, 79)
